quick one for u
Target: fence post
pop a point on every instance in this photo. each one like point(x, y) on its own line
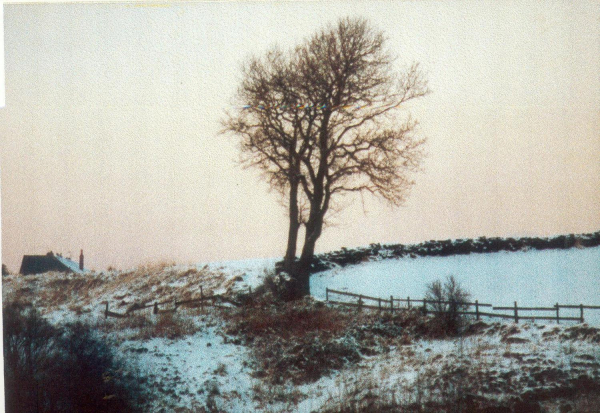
point(155, 311)
point(557, 314)
point(477, 309)
point(581, 312)
point(360, 303)
point(392, 304)
point(106, 311)
point(327, 294)
point(379, 302)
point(201, 300)
point(408, 300)
point(250, 290)
point(424, 306)
point(516, 313)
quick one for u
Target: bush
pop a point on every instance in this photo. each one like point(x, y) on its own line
point(5, 270)
point(448, 301)
point(279, 284)
point(62, 370)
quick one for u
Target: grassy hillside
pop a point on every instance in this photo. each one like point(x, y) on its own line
point(253, 353)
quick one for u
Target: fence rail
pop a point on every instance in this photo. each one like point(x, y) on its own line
point(384, 304)
point(203, 300)
point(405, 300)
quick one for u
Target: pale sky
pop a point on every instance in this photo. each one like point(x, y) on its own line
point(109, 135)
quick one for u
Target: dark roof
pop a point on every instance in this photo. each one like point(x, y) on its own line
point(37, 264)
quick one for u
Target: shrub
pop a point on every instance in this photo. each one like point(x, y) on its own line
point(28, 354)
point(5, 270)
point(279, 284)
point(448, 301)
point(62, 370)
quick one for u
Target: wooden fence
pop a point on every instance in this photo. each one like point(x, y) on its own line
point(428, 306)
point(214, 300)
point(555, 308)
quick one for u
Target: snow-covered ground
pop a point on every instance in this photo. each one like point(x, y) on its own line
point(252, 271)
point(187, 372)
point(532, 278)
point(505, 361)
point(208, 368)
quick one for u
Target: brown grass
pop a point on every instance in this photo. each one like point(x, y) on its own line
point(61, 290)
point(155, 267)
point(304, 340)
point(288, 321)
point(147, 326)
point(587, 403)
point(172, 326)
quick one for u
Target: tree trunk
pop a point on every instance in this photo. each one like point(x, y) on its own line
point(318, 206)
point(302, 270)
point(290, 255)
point(313, 232)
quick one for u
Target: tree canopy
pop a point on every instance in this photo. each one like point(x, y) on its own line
point(326, 119)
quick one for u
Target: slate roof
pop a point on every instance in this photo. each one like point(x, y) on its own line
point(37, 264)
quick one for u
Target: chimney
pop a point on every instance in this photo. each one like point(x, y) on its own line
point(81, 260)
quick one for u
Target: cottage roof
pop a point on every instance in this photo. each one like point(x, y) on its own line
point(37, 264)
point(73, 266)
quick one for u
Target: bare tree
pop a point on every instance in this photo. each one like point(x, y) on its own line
point(274, 126)
point(324, 120)
point(448, 301)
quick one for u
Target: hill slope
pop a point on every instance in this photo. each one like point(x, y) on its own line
point(261, 357)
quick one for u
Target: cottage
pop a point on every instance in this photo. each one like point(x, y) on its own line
point(37, 264)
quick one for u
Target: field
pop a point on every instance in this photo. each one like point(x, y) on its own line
point(260, 355)
point(532, 278)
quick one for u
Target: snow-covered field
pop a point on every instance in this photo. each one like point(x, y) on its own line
point(188, 372)
point(532, 278)
point(207, 370)
point(525, 356)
